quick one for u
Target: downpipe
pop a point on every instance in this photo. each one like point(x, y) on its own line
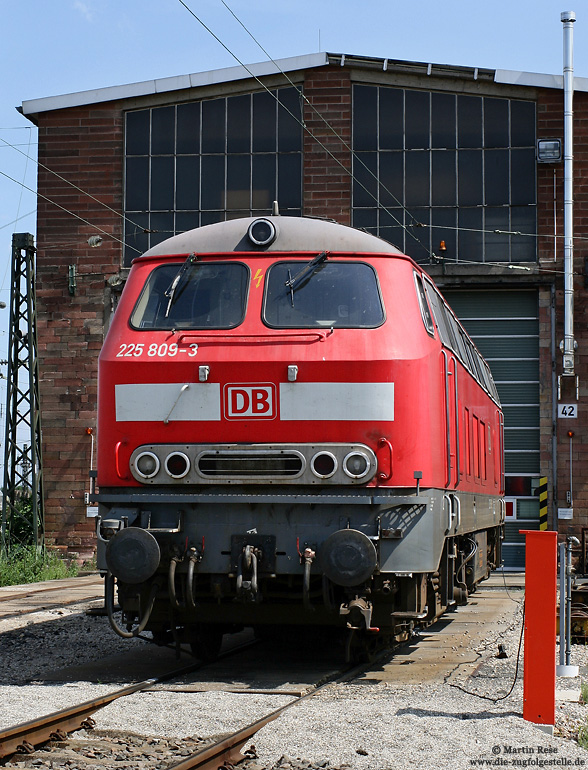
point(568, 344)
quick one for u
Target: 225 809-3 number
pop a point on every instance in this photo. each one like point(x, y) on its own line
point(163, 350)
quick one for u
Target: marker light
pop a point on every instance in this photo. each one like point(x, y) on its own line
point(324, 465)
point(177, 465)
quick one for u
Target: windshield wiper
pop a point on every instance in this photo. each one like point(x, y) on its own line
point(172, 292)
point(291, 283)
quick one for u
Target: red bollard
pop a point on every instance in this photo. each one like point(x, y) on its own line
point(540, 611)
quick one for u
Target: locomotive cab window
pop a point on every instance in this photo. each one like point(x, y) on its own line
point(425, 312)
point(327, 294)
point(193, 295)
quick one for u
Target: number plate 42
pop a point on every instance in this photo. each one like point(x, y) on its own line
point(567, 410)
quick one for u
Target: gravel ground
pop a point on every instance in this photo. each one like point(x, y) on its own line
point(31, 645)
point(352, 726)
point(432, 726)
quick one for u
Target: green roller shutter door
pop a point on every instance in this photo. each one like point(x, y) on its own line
point(505, 327)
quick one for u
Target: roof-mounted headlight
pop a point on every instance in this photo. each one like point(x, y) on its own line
point(262, 232)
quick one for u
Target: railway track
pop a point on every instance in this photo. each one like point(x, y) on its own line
point(26, 737)
point(430, 656)
point(24, 600)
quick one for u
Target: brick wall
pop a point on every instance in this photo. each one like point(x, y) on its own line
point(551, 251)
point(86, 144)
point(327, 183)
point(83, 145)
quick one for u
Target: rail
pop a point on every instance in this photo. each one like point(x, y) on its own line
point(229, 751)
point(24, 737)
point(50, 601)
point(15, 595)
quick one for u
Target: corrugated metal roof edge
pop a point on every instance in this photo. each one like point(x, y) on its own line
point(537, 80)
point(32, 107)
point(178, 83)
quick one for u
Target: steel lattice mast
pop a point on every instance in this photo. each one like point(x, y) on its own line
point(22, 499)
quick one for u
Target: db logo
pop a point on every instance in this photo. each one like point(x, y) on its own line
point(250, 401)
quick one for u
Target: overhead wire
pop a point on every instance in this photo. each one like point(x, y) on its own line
point(302, 123)
point(345, 144)
point(17, 208)
point(405, 227)
point(63, 208)
point(75, 186)
point(356, 157)
point(67, 211)
point(24, 144)
point(14, 221)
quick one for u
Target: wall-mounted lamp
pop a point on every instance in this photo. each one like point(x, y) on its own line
point(548, 150)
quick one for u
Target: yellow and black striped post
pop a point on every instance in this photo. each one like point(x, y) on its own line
point(543, 502)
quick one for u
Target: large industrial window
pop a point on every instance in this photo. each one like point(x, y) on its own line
point(197, 163)
point(431, 167)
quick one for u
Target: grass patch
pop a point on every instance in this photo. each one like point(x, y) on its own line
point(26, 565)
point(583, 736)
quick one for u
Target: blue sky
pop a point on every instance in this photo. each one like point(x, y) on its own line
point(63, 46)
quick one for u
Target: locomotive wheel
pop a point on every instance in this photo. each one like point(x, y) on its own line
point(361, 647)
point(206, 642)
point(460, 594)
point(162, 636)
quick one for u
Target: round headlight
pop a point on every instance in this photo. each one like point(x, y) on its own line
point(262, 232)
point(324, 465)
point(147, 465)
point(177, 465)
point(356, 465)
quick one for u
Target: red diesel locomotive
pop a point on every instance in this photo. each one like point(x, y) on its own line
point(293, 429)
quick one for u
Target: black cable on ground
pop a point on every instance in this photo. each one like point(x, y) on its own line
point(502, 697)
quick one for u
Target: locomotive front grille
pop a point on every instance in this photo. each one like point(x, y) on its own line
point(249, 464)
